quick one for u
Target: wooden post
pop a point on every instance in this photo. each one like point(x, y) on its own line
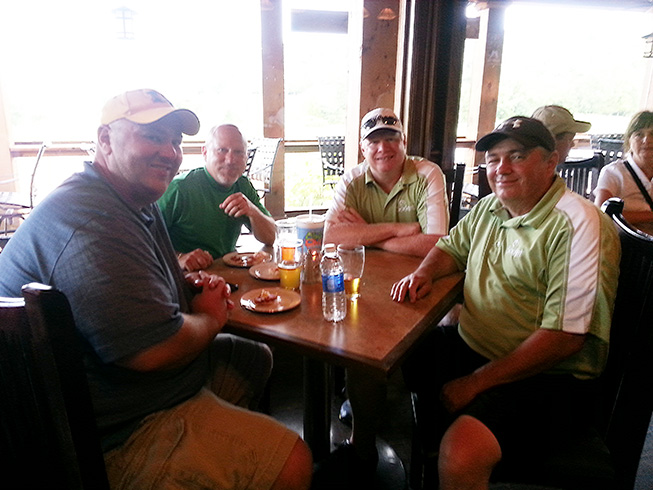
point(273, 97)
point(486, 87)
point(373, 65)
point(6, 167)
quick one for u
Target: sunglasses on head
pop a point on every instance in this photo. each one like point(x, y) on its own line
point(386, 120)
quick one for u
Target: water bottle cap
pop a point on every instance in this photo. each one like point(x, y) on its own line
point(329, 248)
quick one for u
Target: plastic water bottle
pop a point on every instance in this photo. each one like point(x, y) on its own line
point(334, 300)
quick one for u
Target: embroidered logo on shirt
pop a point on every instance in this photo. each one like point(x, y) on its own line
point(515, 249)
point(405, 207)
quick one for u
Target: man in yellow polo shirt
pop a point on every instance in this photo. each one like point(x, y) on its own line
point(516, 377)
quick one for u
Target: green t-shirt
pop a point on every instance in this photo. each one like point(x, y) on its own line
point(191, 209)
point(556, 268)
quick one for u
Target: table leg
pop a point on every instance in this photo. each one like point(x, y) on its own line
point(317, 407)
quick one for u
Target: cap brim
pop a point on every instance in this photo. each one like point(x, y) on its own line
point(581, 126)
point(190, 124)
point(489, 140)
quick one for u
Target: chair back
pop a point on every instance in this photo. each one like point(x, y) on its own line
point(49, 438)
point(250, 158)
point(582, 176)
point(609, 145)
point(455, 190)
point(629, 373)
point(332, 154)
point(262, 164)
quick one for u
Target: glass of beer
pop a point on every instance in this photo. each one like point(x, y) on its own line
point(353, 261)
point(290, 265)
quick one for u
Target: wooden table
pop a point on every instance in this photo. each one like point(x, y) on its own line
point(376, 335)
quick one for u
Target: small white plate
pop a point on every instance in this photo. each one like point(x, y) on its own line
point(267, 271)
point(246, 259)
point(285, 300)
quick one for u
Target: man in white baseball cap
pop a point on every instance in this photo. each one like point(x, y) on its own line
point(164, 380)
point(563, 127)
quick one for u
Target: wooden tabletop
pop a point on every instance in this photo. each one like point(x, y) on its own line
point(377, 333)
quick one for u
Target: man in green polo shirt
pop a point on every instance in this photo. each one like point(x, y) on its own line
point(517, 376)
point(396, 203)
point(389, 201)
point(205, 208)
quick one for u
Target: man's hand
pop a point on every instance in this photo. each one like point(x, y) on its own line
point(195, 260)
point(214, 296)
point(237, 205)
point(458, 393)
point(415, 285)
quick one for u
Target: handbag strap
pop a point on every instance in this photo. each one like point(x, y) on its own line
point(639, 184)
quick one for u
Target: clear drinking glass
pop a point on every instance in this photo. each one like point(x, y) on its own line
point(290, 263)
point(353, 261)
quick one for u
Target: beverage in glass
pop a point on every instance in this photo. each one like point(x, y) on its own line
point(290, 265)
point(290, 274)
point(285, 231)
point(353, 261)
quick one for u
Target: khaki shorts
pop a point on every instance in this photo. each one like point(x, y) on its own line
point(204, 443)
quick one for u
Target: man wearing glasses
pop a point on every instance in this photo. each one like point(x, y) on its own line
point(516, 378)
point(389, 201)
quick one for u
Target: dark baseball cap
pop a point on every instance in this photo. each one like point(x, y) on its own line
point(525, 130)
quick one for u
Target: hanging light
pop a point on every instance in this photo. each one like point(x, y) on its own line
point(387, 14)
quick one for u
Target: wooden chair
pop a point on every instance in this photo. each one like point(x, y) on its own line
point(607, 456)
point(49, 438)
point(332, 154)
point(582, 176)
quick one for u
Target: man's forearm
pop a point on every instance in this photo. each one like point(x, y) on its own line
point(368, 234)
point(541, 351)
point(263, 227)
point(418, 245)
point(194, 336)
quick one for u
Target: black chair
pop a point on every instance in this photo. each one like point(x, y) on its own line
point(262, 164)
point(15, 207)
point(583, 175)
point(49, 438)
point(607, 456)
point(455, 190)
point(609, 145)
point(250, 158)
point(332, 154)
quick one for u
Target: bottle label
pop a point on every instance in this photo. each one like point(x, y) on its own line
point(333, 283)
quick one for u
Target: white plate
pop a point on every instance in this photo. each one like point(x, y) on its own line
point(246, 259)
point(286, 300)
point(267, 271)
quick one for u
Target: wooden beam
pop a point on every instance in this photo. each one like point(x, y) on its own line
point(485, 94)
point(6, 167)
point(273, 96)
point(431, 89)
point(373, 30)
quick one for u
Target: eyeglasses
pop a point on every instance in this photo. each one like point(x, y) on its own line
point(386, 120)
